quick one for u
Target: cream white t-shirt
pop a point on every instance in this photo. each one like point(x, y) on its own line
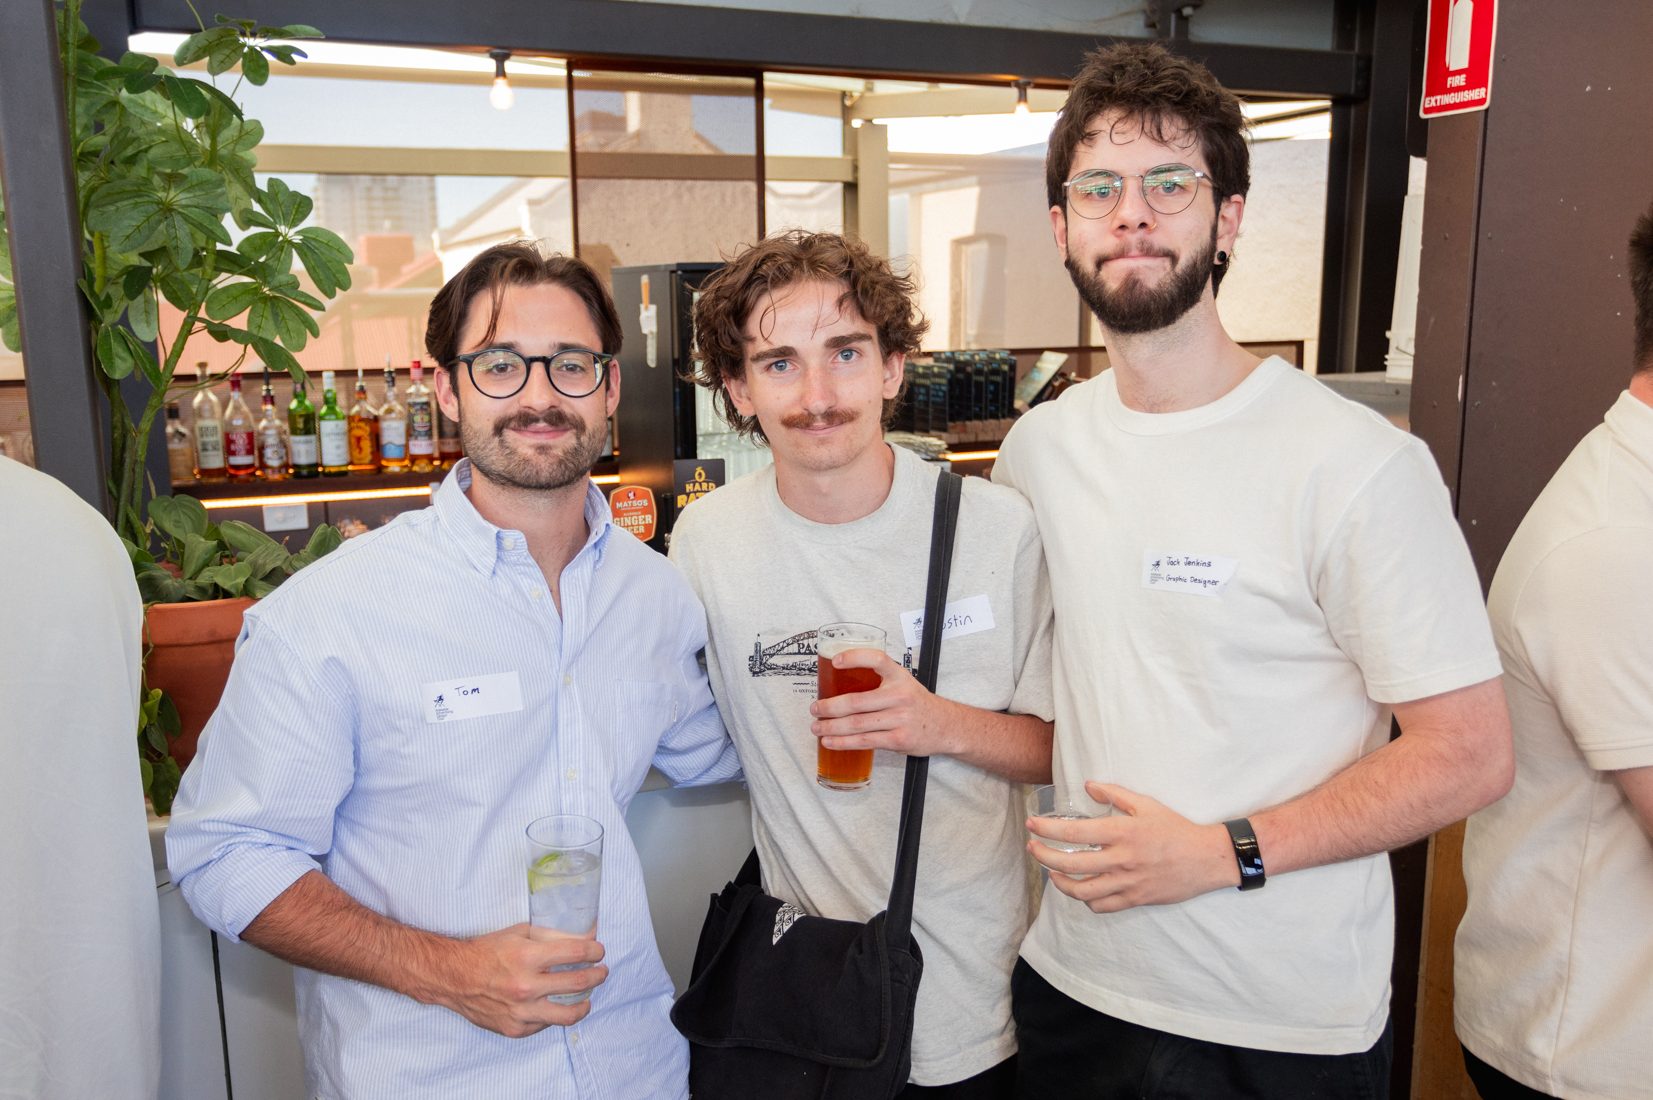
point(769, 578)
point(1242, 591)
point(80, 943)
point(1554, 962)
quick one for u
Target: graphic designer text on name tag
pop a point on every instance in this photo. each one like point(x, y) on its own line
point(472, 697)
point(1198, 574)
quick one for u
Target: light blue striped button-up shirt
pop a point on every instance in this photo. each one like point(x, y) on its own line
point(326, 753)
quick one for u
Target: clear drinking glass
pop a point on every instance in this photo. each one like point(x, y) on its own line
point(1065, 803)
point(565, 868)
point(844, 769)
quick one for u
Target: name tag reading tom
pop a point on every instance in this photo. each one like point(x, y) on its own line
point(1197, 574)
point(472, 697)
point(961, 617)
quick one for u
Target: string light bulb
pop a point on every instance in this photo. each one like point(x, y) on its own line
point(1021, 96)
point(500, 95)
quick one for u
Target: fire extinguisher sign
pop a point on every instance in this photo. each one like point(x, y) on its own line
point(1457, 70)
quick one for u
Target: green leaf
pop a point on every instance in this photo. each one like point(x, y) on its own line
point(183, 289)
point(199, 553)
point(231, 578)
point(143, 358)
point(258, 588)
point(138, 555)
point(146, 773)
point(255, 66)
point(179, 516)
point(267, 564)
point(113, 353)
point(128, 212)
point(323, 540)
point(224, 56)
point(298, 30)
point(186, 95)
point(144, 315)
point(156, 585)
point(166, 715)
point(135, 280)
point(278, 319)
point(277, 357)
point(163, 788)
point(232, 300)
point(287, 55)
point(323, 263)
point(155, 736)
point(244, 538)
point(200, 44)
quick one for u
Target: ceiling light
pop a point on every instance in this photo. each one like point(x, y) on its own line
point(1021, 95)
point(500, 95)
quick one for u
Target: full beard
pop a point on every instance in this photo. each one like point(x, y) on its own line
point(1137, 306)
point(533, 468)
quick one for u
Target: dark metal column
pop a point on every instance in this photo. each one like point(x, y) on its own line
point(1366, 188)
point(64, 400)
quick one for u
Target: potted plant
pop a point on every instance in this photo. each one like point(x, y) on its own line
point(163, 167)
point(194, 593)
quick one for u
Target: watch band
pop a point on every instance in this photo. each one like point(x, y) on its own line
point(1246, 853)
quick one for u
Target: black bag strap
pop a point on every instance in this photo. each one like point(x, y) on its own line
point(898, 926)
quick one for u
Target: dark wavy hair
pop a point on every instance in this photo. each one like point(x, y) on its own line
point(1641, 288)
point(514, 263)
point(1168, 97)
point(750, 281)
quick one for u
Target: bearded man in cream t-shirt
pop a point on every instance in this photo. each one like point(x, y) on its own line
point(1250, 576)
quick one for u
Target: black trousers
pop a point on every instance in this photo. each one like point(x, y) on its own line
point(997, 1083)
point(1071, 1051)
point(1494, 1084)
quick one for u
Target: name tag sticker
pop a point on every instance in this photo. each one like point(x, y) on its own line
point(472, 697)
point(961, 617)
point(1200, 574)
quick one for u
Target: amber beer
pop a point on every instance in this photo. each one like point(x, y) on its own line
point(844, 769)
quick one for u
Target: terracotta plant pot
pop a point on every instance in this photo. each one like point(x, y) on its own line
point(190, 647)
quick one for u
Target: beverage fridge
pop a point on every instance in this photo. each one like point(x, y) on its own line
point(671, 444)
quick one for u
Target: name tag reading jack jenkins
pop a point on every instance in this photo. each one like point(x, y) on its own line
point(1200, 574)
point(961, 617)
point(472, 697)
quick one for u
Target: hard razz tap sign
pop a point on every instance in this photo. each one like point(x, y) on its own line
point(1457, 68)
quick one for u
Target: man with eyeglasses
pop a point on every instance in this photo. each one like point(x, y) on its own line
point(1251, 575)
point(400, 711)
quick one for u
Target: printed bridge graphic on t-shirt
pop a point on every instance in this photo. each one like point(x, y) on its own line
point(794, 656)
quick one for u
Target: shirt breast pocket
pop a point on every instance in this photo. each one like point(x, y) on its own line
point(643, 712)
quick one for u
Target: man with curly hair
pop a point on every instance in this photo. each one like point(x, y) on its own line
point(804, 338)
point(1253, 576)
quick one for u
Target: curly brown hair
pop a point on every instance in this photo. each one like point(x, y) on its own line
point(1641, 288)
point(1167, 97)
point(514, 263)
point(752, 279)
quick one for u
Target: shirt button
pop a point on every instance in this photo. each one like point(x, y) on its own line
point(536, 593)
point(508, 543)
point(571, 775)
point(568, 681)
point(574, 1037)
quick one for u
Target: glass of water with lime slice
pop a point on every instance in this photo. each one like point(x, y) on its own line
point(565, 867)
point(1065, 803)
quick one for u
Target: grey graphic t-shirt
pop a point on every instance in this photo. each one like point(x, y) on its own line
point(768, 579)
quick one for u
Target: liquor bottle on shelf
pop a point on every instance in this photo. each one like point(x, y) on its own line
point(393, 428)
point(449, 449)
point(421, 422)
point(302, 442)
point(240, 446)
point(272, 437)
point(364, 431)
point(334, 429)
point(180, 456)
point(209, 433)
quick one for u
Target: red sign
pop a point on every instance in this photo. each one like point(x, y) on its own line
point(1457, 69)
point(632, 507)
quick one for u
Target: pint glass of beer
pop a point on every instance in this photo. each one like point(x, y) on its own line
point(844, 769)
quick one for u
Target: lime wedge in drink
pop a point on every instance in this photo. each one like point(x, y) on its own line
point(541, 871)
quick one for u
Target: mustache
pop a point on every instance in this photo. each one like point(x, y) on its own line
point(832, 418)
point(1140, 250)
point(550, 418)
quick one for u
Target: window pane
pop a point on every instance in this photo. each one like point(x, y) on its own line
point(817, 207)
point(15, 438)
point(667, 167)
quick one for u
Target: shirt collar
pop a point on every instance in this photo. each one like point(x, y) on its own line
point(482, 543)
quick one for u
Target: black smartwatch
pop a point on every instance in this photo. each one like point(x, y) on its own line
point(1246, 853)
